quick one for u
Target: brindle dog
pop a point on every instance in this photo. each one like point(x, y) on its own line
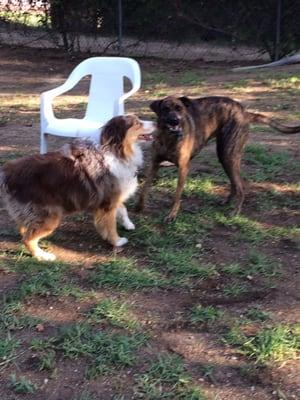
point(186, 125)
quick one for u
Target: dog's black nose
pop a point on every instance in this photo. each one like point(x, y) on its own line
point(172, 120)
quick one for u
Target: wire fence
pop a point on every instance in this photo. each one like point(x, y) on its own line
point(188, 30)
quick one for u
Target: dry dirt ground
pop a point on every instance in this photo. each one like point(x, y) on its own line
point(203, 293)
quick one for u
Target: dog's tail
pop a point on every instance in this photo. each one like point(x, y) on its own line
point(273, 123)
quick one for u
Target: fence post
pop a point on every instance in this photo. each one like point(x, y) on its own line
point(278, 30)
point(120, 25)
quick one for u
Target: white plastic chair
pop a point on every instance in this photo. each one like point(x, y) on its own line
point(106, 98)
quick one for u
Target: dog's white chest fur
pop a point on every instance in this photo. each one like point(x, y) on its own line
point(125, 171)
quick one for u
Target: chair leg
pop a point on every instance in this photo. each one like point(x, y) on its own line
point(43, 147)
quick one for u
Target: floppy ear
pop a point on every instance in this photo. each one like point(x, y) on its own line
point(186, 101)
point(114, 131)
point(155, 106)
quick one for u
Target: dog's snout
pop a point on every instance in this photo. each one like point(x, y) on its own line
point(172, 119)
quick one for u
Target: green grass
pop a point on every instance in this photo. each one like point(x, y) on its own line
point(181, 266)
point(256, 314)
point(288, 82)
point(235, 289)
point(85, 395)
point(12, 318)
point(8, 347)
point(200, 314)
point(274, 344)
point(236, 85)
point(115, 312)
point(22, 385)
point(104, 350)
point(269, 165)
point(191, 78)
point(166, 378)
point(124, 274)
point(253, 231)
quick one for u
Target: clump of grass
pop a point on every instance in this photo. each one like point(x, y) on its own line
point(22, 385)
point(116, 312)
point(255, 314)
point(124, 274)
point(191, 78)
point(273, 344)
point(269, 344)
point(181, 265)
point(261, 264)
point(166, 378)
point(270, 164)
point(12, 318)
point(200, 314)
point(105, 350)
point(235, 289)
point(85, 395)
point(8, 347)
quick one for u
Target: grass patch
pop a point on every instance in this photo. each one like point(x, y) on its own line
point(12, 318)
point(8, 347)
point(191, 78)
point(22, 385)
point(181, 266)
point(204, 315)
point(253, 231)
point(288, 82)
point(113, 311)
point(235, 85)
point(275, 344)
point(235, 290)
point(256, 314)
point(104, 351)
point(269, 165)
point(124, 274)
point(166, 378)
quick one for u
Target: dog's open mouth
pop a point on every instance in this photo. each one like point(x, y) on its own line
point(173, 128)
point(146, 137)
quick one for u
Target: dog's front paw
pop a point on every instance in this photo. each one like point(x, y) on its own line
point(121, 241)
point(42, 255)
point(129, 225)
point(170, 217)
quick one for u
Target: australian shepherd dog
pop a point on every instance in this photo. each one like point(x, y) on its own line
point(39, 190)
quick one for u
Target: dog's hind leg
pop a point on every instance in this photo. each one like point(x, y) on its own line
point(150, 175)
point(36, 231)
point(229, 153)
point(106, 225)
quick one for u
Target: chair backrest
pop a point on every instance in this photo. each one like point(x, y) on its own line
point(107, 84)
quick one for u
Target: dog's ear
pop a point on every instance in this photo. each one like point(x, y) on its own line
point(114, 131)
point(155, 106)
point(186, 101)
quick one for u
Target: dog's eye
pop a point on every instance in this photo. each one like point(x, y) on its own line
point(178, 108)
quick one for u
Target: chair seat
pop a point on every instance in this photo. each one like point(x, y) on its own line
point(72, 127)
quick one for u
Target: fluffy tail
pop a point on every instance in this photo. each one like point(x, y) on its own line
point(273, 123)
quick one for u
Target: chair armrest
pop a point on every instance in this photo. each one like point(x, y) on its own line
point(125, 96)
point(47, 97)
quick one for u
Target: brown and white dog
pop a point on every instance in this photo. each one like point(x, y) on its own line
point(38, 190)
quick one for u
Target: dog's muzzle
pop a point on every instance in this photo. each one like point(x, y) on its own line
point(148, 128)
